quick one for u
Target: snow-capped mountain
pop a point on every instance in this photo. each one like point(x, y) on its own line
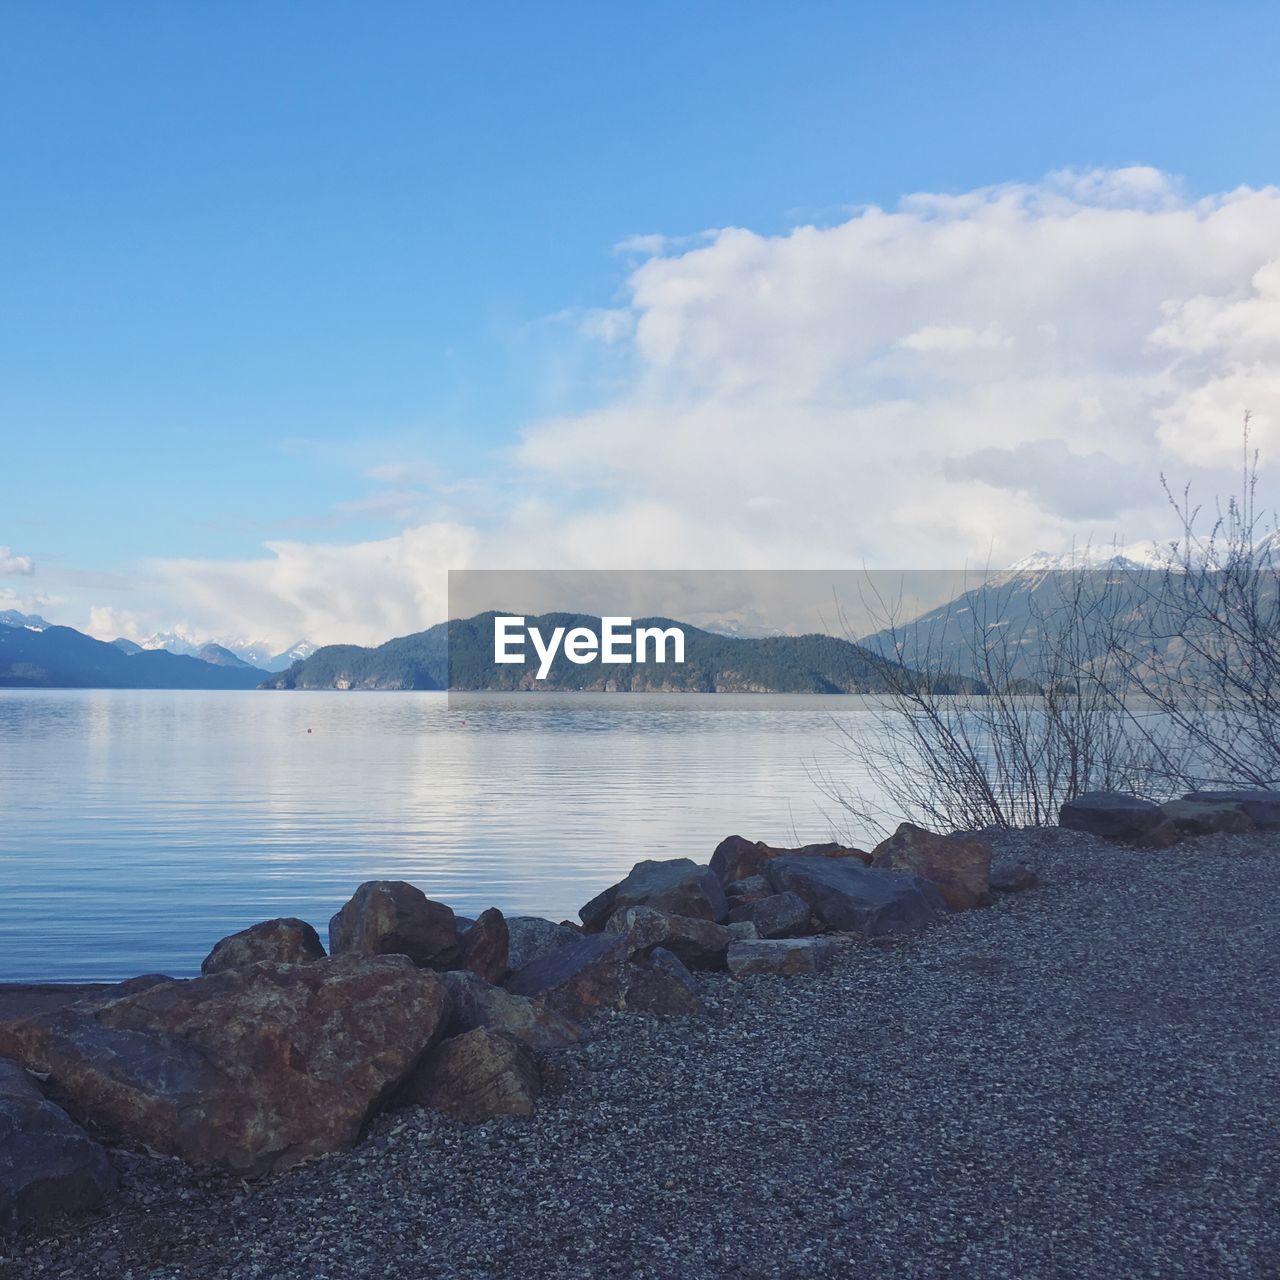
point(255, 653)
point(32, 621)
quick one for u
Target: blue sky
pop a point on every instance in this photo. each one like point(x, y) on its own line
point(307, 272)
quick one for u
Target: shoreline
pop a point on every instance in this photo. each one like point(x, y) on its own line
point(1072, 1080)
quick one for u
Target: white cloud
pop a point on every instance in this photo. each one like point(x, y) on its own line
point(13, 564)
point(966, 376)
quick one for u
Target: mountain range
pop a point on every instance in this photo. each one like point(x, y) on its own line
point(458, 655)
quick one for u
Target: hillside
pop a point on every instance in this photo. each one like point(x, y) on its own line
point(61, 657)
point(713, 664)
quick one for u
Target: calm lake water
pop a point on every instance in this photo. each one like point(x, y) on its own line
point(137, 828)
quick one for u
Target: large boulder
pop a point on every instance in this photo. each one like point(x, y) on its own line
point(49, 1167)
point(736, 858)
point(1263, 807)
point(477, 1004)
point(483, 948)
point(1113, 815)
point(677, 886)
point(393, 918)
point(785, 956)
point(1208, 817)
point(477, 1076)
point(750, 889)
point(660, 983)
point(580, 978)
point(529, 937)
point(959, 869)
point(700, 944)
point(285, 941)
point(781, 915)
point(250, 1070)
point(846, 895)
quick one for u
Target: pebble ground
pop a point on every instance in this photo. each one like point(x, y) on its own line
point(1080, 1081)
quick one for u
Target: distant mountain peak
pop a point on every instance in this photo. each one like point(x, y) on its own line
point(31, 621)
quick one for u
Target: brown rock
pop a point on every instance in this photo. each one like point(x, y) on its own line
point(959, 869)
point(752, 889)
point(660, 984)
point(285, 941)
point(250, 1070)
point(483, 949)
point(737, 859)
point(477, 1076)
point(390, 917)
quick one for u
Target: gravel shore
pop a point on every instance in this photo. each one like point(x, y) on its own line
point(1079, 1081)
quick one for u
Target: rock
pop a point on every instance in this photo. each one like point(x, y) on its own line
point(959, 869)
point(1203, 817)
point(738, 859)
point(1111, 815)
point(781, 915)
point(1013, 877)
point(1262, 807)
point(751, 889)
point(846, 895)
point(390, 917)
point(579, 978)
point(677, 886)
point(529, 937)
point(477, 1004)
point(286, 941)
point(478, 1075)
point(250, 1070)
point(483, 948)
point(49, 1167)
point(778, 955)
point(1164, 835)
point(661, 984)
point(700, 944)
point(742, 931)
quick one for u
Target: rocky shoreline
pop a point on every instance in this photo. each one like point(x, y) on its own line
point(1078, 1080)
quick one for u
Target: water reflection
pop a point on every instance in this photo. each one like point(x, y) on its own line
point(142, 826)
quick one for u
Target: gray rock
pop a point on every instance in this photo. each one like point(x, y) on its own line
point(700, 944)
point(579, 978)
point(787, 956)
point(1111, 815)
point(284, 941)
point(49, 1166)
point(1205, 817)
point(1013, 877)
point(477, 1004)
point(751, 889)
point(736, 858)
point(392, 917)
point(743, 931)
point(1263, 807)
point(781, 915)
point(529, 937)
point(678, 886)
point(844, 894)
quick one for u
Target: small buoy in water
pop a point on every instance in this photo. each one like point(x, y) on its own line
point(308, 730)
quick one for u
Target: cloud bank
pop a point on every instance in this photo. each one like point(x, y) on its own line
point(962, 379)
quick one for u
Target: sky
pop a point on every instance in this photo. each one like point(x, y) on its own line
point(303, 305)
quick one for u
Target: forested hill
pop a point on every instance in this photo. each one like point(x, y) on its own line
point(713, 663)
